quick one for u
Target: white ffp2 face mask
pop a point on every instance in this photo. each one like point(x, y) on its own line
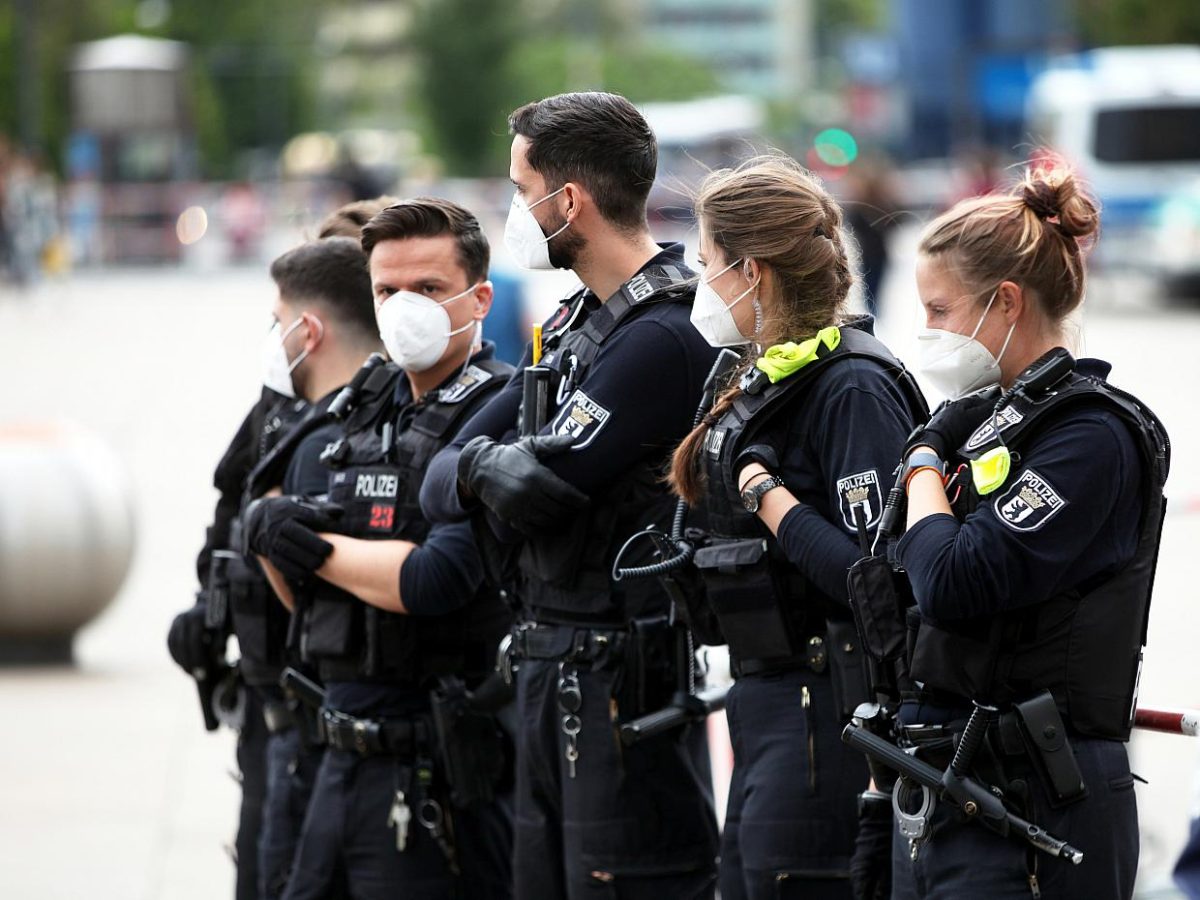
point(416, 329)
point(523, 236)
point(713, 317)
point(957, 364)
point(276, 370)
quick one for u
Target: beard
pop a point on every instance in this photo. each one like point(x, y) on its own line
point(564, 249)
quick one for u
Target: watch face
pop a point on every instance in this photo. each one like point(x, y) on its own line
point(750, 501)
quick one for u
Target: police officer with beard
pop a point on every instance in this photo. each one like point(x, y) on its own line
point(408, 800)
point(624, 373)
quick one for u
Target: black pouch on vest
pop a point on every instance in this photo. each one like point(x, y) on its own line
point(742, 593)
point(848, 667)
point(330, 627)
point(1045, 738)
point(878, 611)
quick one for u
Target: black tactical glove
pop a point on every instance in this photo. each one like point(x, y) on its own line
point(283, 529)
point(955, 421)
point(188, 641)
point(871, 863)
point(510, 480)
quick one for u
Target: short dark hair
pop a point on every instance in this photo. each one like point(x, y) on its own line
point(597, 139)
point(432, 217)
point(348, 220)
point(333, 273)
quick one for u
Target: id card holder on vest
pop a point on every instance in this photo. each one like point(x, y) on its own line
point(369, 495)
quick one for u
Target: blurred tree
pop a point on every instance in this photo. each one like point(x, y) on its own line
point(250, 84)
point(465, 47)
point(1115, 22)
point(574, 46)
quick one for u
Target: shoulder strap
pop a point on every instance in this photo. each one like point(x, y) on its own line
point(461, 398)
point(854, 344)
point(657, 283)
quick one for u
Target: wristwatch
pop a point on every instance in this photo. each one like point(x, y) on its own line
point(922, 459)
point(752, 496)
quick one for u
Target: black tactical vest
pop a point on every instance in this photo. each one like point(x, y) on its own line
point(768, 611)
point(237, 583)
point(377, 469)
point(1085, 644)
point(566, 576)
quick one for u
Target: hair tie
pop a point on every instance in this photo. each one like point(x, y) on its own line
point(1041, 199)
point(710, 420)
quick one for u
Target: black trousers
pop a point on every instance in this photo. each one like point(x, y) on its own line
point(634, 822)
point(964, 859)
point(292, 765)
point(252, 764)
point(346, 835)
point(792, 814)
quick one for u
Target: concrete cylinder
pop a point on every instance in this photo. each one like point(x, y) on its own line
point(66, 536)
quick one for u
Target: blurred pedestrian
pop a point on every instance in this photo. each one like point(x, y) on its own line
point(871, 210)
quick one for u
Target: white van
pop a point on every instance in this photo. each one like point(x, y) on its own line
point(1128, 118)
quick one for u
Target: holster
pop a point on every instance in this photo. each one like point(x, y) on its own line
point(475, 752)
point(847, 667)
point(1045, 738)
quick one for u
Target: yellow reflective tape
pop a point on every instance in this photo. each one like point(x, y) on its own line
point(781, 360)
point(990, 471)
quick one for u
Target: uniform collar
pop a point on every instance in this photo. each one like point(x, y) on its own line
point(863, 322)
point(404, 389)
point(1090, 367)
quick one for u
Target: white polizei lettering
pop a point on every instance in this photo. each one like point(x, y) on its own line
point(376, 485)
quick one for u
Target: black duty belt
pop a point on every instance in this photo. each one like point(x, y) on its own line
point(374, 737)
point(815, 659)
point(565, 643)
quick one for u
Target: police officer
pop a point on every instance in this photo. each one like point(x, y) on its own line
point(625, 371)
point(324, 328)
point(1033, 527)
point(198, 635)
point(389, 608)
point(788, 471)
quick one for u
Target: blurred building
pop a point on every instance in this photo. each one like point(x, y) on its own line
point(758, 47)
point(967, 68)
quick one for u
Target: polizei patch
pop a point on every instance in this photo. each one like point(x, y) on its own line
point(1029, 504)
point(465, 385)
point(375, 485)
point(582, 418)
point(1006, 418)
point(860, 490)
point(714, 441)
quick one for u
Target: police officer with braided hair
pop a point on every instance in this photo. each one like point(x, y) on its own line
point(624, 372)
point(1034, 511)
point(786, 473)
point(391, 612)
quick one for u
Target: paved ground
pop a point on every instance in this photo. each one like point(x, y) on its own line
point(108, 787)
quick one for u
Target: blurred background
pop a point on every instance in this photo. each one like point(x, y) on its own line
point(155, 155)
